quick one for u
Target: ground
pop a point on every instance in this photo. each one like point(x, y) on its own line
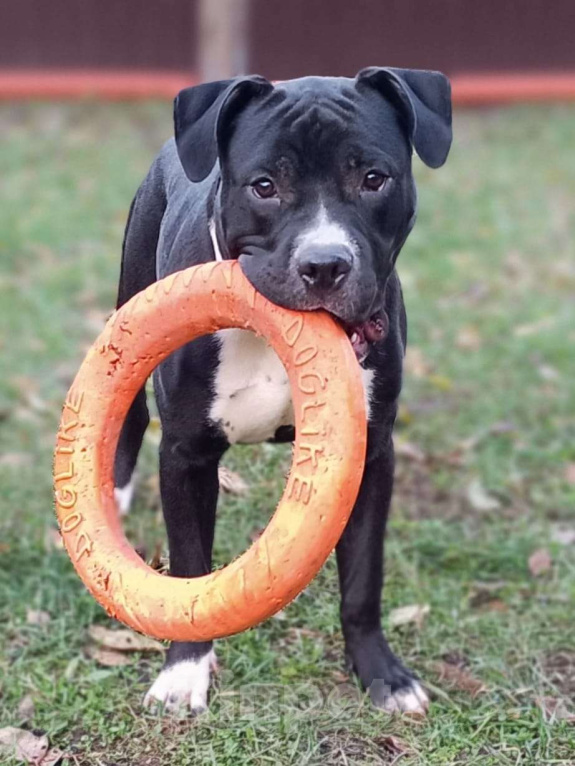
point(486, 468)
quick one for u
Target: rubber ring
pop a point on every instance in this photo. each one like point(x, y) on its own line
point(324, 480)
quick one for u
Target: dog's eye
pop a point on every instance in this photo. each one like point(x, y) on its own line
point(264, 188)
point(374, 181)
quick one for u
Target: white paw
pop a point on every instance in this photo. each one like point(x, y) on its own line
point(123, 496)
point(411, 699)
point(184, 684)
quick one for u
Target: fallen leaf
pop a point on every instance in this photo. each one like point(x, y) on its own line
point(457, 456)
point(231, 482)
point(123, 640)
point(393, 746)
point(495, 605)
point(404, 615)
point(409, 451)
point(33, 749)
point(539, 562)
point(53, 540)
point(483, 597)
point(108, 657)
point(37, 617)
point(525, 330)
point(441, 382)
point(479, 499)
point(153, 433)
point(52, 757)
point(563, 535)
point(469, 339)
point(14, 459)
point(304, 633)
point(415, 363)
point(458, 678)
point(555, 709)
point(256, 533)
point(546, 372)
point(26, 707)
point(570, 473)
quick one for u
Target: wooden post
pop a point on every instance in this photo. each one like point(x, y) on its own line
point(223, 38)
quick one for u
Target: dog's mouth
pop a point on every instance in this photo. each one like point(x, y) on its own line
point(363, 335)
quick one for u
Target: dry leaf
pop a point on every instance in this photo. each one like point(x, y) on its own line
point(393, 746)
point(458, 678)
point(409, 451)
point(484, 597)
point(53, 540)
point(570, 473)
point(52, 757)
point(415, 363)
point(33, 749)
point(495, 605)
point(405, 615)
point(525, 330)
point(479, 499)
point(546, 372)
point(556, 709)
point(539, 562)
point(563, 535)
point(14, 459)
point(231, 482)
point(26, 707)
point(37, 617)
point(469, 339)
point(108, 657)
point(123, 640)
point(256, 533)
point(154, 431)
point(441, 382)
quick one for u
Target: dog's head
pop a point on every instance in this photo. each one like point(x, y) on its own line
point(317, 195)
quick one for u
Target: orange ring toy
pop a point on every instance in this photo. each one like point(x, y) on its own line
point(322, 486)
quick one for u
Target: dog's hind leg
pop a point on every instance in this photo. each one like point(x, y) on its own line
point(138, 272)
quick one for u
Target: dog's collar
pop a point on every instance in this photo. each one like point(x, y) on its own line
point(214, 238)
point(214, 227)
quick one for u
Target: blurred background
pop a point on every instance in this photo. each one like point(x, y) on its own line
point(481, 548)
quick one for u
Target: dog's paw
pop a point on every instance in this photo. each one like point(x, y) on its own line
point(183, 685)
point(124, 497)
point(410, 698)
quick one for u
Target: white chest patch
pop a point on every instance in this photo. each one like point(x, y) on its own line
point(252, 392)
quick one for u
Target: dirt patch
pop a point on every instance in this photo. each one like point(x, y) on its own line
point(419, 498)
point(559, 669)
point(340, 747)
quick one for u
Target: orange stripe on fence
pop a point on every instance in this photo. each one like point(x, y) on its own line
point(118, 85)
point(115, 85)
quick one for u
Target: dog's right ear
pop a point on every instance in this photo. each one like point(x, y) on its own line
point(203, 117)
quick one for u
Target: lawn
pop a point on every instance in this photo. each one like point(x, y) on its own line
point(485, 476)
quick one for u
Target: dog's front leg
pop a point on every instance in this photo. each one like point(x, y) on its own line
point(360, 565)
point(189, 489)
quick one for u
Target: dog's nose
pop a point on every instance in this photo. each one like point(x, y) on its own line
point(324, 268)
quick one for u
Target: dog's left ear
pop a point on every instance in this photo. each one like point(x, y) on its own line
point(203, 120)
point(424, 99)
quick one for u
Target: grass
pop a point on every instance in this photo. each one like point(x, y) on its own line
point(486, 437)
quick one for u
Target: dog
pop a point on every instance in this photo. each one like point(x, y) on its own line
point(308, 183)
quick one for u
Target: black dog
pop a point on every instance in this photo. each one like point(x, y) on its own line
point(309, 184)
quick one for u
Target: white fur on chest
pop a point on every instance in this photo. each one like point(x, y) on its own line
point(252, 392)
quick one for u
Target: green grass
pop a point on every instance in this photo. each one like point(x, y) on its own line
point(489, 279)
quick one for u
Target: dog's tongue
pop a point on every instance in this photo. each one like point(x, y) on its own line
point(372, 331)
